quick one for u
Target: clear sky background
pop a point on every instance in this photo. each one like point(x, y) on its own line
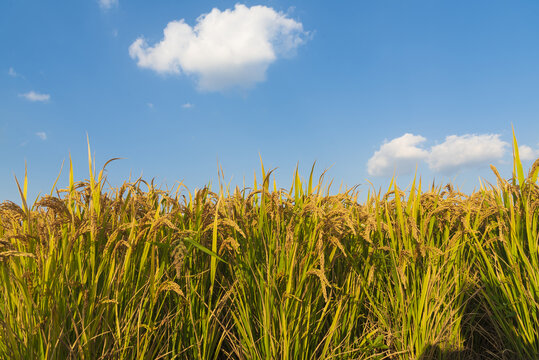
point(368, 88)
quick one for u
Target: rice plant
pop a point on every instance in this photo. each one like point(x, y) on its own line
point(136, 272)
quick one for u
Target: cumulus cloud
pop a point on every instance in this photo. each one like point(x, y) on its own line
point(224, 49)
point(466, 150)
point(400, 154)
point(527, 153)
point(12, 72)
point(42, 135)
point(107, 4)
point(403, 154)
point(187, 105)
point(34, 96)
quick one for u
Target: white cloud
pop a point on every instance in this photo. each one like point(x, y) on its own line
point(107, 4)
point(527, 153)
point(12, 72)
point(150, 105)
point(42, 135)
point(403, 153)
point(187, 105)
point(466, 150)
point(33, 96)
point(400, 154)
point(225, 49)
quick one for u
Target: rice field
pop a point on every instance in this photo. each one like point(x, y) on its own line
point(136, 272)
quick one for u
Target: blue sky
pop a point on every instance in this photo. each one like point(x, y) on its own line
point(368, 88)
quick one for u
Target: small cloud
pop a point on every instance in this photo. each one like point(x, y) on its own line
point(224, 49)
point(115, 32)
point(527, 153)
point(401, 154)
point(108, 4)
point(187, 105)
point(150, 105)
point(465, 151)
point(12, 72)
point(34, 96)
point(42, 135)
